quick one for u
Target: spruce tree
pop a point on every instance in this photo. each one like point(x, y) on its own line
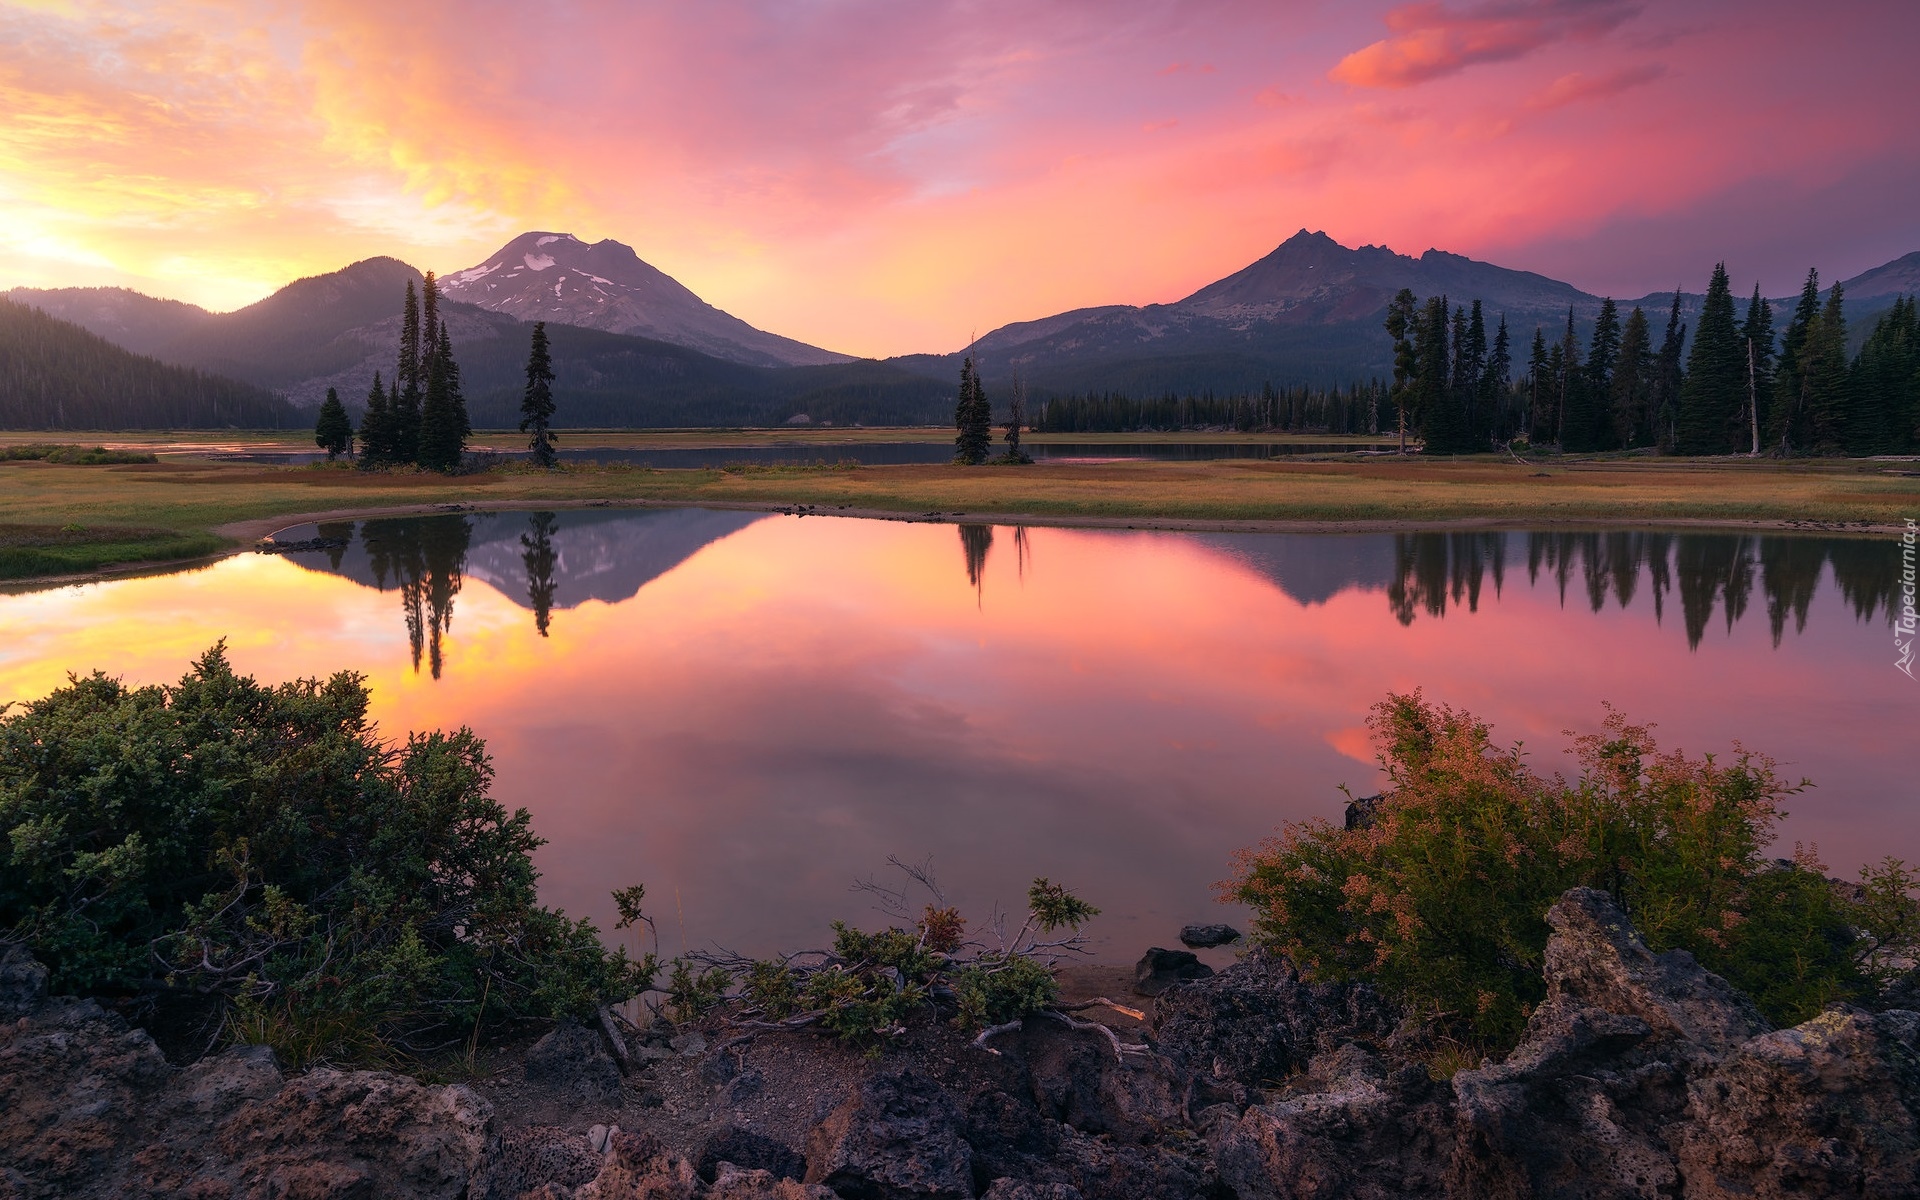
point(1664, 396)
point(408, 372)
point(443, 417)
point(1470, 367)
point(972, 418)
point(1402, 322)
point(1716, 385)
point(1887, 372)
point(1602, 353)
point(1787, 431)
point(1574, 410)
point(1830, 418)
point(1496, 381)
point(1537, 424)
point(376, 428)
point(1442, 416)
point(1756, 333)
point(536, 403)
point(332, 432)
point(429, 321)
point(1629, 392)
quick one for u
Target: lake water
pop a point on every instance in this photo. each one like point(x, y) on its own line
point(746, 713)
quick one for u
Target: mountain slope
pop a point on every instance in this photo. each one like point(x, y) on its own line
point(129, 319)
point(56, 375)
point(604, 285)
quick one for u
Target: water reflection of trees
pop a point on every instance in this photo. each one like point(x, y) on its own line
point(539, 558)
point(425, 559)
point(975, 541)
point(1707, 573)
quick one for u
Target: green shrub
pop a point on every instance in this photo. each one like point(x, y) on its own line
point(870, 983)
point(1440, 898)
point(70, 455)
point(262, 846)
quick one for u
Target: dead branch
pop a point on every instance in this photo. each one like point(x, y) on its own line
point(1101, 1002)
point(980, 1041)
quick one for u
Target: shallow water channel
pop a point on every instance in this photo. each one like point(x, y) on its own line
point(747, 713)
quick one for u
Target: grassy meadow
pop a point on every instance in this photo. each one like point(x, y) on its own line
point(61, 519)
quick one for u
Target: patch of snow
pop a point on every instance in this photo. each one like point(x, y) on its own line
point(549, 238)
point(537, 262)
point(472, 273)
point(597, 279)
point(556, 286)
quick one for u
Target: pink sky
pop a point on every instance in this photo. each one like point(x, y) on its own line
point(884, 178)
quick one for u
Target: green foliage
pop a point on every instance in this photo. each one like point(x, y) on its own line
point(996, 990)
point(536, 403)
point(694, 990)
point(1440, 899)
point(1715, 390)
point(870, 983)
point(332, 431)
point(973, 417)
point(1054, 907)
point(56, 375)
point(74, 456)
point(260, 844)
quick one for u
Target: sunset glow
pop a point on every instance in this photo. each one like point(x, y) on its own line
point(884, 178)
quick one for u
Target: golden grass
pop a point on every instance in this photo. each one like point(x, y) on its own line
point(195, 497)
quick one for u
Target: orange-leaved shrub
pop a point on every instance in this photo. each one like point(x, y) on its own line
point(1438, 896)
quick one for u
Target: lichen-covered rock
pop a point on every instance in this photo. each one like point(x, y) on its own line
point(1350, 1128)
point(1080, 1081)
point(639, 1167)
point(897, 1138)
point(1587, 1104)
point(735, 1183)
point(573, 1059)
point(1830, 1107)
point(1597, 958)
point(527, 1159)
point(1257, 1022)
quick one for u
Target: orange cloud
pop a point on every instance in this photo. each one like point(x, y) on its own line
point(1430, 41)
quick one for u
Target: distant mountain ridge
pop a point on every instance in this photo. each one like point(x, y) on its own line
point(1310, 312)
point(604, 285)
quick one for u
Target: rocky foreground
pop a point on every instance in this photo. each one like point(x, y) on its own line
point(1641, 1076)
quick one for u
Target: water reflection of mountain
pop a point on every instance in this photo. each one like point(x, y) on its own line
point(1313, 569)
point(541, 560)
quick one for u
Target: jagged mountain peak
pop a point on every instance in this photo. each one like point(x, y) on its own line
point(547, 276)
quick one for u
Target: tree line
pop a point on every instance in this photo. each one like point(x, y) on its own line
point(422, 419)
point(1734, 387)
point(56, 375)
point(1356, 408)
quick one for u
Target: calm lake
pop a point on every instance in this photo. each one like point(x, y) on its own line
point(747, 713)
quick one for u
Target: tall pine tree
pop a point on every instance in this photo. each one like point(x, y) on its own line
point(1442, 416)
point(1540, 418)
point(1572, 400)
point(1630, 391)
point(536, 402)
point(1715, 390)
point(402, 430)
point(1667, 378)
point(972, 418)
point(332, 432)
point(1496, 381)
point(1831, 422)
point(1594, 428)
point(376, 428)
point(1756, 332)
point(443, 417)
point(1887, 375)
point(1403, 318)
point(1789, 431)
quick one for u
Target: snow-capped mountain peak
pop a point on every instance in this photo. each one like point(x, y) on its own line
point(541, 276)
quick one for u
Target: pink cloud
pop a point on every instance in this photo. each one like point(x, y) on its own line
point(1430, 41)
point(1575, 87)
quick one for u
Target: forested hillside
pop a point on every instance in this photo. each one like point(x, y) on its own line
point(56, 375)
